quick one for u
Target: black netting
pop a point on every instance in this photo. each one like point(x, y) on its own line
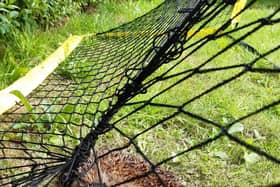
point(149, 96)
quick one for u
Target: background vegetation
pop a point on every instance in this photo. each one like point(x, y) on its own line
point(30, 14)
point(32, 29)
point(21, 21)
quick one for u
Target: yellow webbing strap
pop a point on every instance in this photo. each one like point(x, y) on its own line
point(200, 33)
point(121, 34)
point(238, 7)
point(37, 75)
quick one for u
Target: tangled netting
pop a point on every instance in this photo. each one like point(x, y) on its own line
point(150, 100)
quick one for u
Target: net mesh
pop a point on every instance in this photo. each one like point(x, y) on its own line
point(146, 97)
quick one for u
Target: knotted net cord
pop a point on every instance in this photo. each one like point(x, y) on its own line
point(106, 83)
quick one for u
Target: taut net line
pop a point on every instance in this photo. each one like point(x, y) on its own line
point(152, 91)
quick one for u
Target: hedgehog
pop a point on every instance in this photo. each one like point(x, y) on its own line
point(118, 167)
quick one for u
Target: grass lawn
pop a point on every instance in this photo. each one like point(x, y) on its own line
point(220, 163)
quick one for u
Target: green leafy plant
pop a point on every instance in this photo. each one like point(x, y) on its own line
point(29, 14)
point(9, 14)
point(23, 100)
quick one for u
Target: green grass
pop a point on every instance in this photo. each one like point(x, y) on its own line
point(221, 163)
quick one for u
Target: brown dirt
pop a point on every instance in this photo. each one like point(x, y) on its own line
point(119, 166)
point(2, 51)
point(89, 9)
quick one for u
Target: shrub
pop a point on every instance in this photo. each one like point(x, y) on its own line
point(9, 14)
point(29, 14)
